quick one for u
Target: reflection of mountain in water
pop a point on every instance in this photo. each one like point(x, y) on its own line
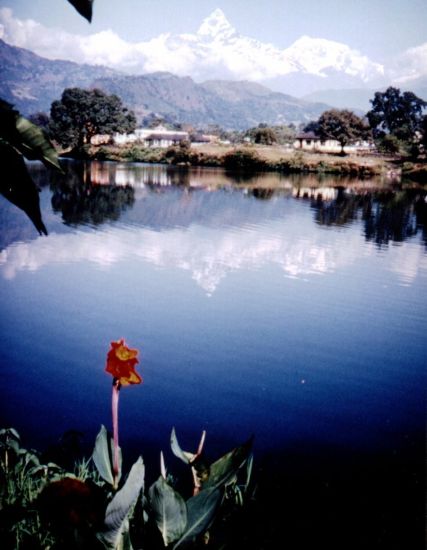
point(210, 228)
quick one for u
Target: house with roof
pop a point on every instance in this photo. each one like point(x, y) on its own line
point(309, 141)
point(159, 136)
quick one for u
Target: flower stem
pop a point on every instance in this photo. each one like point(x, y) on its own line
point(115, 411)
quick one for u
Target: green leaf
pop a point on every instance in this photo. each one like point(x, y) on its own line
point(26, 137)
point(101, 456)
point(17, 186)
point(201, 511)
point(84, 7)
point(225, 469)
point(170, 511)
point(10, 432)
point(116, 524)
point(34, 145)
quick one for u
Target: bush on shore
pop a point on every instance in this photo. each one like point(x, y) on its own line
point(244, 159)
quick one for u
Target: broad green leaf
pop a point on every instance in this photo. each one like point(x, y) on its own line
point(201, 511)
point(17, 186)
point(34, 145)
point(225, 469)
point(10, 432)
point(12, 444)
point(84, 7)
point(116, 524)
point(26, 137)
point(101, 456)
point(170, 511)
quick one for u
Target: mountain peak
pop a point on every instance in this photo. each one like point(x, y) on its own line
point(215, 24)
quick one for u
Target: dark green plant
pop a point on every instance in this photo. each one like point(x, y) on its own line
point(42, 505)
point(104, 508)
point(22, 477)
point(243, 159)
point(19, 139)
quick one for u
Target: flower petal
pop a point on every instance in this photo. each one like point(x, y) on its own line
point(121, 362)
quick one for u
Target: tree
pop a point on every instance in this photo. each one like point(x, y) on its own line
point(81, 114)
point(397, 114)
point(262, 134)
point(312, 126)
point(342, 125)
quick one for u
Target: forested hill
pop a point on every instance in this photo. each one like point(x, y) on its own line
point(31, 83)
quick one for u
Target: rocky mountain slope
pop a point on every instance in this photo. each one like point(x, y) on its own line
point(31, 83)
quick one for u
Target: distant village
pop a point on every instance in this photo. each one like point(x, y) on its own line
point(162, 137)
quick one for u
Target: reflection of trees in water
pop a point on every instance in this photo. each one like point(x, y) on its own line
point(81, 201)
point(263, 193)
point(387, 216)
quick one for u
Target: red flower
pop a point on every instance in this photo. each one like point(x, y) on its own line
point(121, 362)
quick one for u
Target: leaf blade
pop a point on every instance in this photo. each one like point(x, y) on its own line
point(170, 511)
point(225, 468)
point(34, 145)
point(201, 510)
point(116, 521)
point(101, 456)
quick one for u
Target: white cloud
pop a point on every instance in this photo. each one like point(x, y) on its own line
point(410, 65)
point(217, 50)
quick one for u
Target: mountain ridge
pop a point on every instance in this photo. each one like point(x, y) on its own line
point(31, 83)
point(217, 50)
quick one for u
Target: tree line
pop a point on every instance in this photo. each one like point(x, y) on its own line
point(396, 122)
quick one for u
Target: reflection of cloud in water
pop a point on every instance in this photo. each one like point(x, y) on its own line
point(208, 254)
point(408, 259)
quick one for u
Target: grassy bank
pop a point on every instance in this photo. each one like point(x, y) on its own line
point(251, 157)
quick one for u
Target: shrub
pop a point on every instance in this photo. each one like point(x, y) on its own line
point(242, 159)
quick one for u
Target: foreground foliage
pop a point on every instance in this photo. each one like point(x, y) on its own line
point(45, 506)
point(19, 139)
point(98, 506)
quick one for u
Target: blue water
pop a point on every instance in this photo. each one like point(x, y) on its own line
point(251, 316)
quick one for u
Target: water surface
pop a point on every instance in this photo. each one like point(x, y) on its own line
point(288, 308)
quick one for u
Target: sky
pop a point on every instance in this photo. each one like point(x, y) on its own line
point(380, 30)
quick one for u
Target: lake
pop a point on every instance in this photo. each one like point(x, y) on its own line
point(288, 307)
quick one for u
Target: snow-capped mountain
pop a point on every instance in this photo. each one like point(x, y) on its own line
point(217, 51)
point(216, 39)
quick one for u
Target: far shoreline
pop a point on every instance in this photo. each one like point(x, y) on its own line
point(261, 158)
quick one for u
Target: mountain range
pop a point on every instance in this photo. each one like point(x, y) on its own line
point(31, 83)
point(236, 81)
point(218, 51)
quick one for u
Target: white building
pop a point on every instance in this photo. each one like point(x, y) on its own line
point(308, 141)
point(152, 137)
